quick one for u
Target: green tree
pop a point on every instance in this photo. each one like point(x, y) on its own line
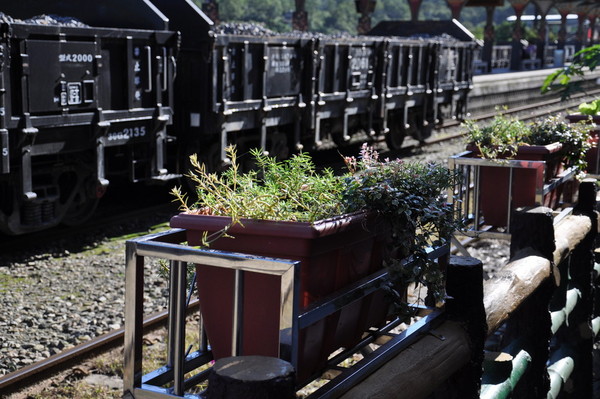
point(273, 14)
point(568, 81)
point(232, 10)
point(504, 32)
point(391, 10)
point(330, 16)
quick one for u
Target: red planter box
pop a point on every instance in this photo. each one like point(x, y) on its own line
point(333, 253)
point(592, 156)
point(494, 183)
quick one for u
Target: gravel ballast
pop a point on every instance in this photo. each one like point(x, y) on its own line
point(54, 299)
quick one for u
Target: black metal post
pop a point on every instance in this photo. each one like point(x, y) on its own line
point(464, 286)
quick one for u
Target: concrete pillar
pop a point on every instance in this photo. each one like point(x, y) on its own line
point(489, 37)
point(516, 54)
point(414, 9)
point(365, 8)
point(300, 17)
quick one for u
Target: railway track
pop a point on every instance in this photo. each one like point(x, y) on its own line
point(37, 371)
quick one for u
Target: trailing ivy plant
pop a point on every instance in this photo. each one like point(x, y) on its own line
point(407, 195)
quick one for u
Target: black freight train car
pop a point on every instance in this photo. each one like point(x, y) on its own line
point(290, 91)
point(426, 76)
point(251, 90)
point(84, 104)
point(79, 105)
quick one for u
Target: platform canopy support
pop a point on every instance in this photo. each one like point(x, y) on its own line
point(211, 9)
point(564, 8)
point(489, 33)
point(300, 17)
point(591, 9)
point(365, 8)
point(582, 10)
point(543, 7)
point(489, 36)
point(516, 55)
point(593, 17)
point(456, 7)
point(414, 5)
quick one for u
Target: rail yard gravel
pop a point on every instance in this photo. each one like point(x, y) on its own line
point(57, 297)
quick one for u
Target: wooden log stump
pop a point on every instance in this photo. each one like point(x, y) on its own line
point(580, 334)
point(464, 285)
point(533, 228)
point(533, 233)
point(251, 377)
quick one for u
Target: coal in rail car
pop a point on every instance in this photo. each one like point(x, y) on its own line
point(83, 101)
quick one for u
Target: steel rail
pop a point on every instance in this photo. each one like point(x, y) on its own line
point(35, 372)
point(573, 101)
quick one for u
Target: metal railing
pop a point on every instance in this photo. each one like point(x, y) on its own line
point(466, 195)
point(165, 246)
point(170, 380)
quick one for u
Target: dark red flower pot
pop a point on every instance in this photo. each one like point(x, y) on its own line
point(333, 253)
point(592, 156)
point(494, 183)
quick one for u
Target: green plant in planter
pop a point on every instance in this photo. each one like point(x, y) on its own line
point(408, 195)
point(504, 135)
point(291, 191)
point(574, 138)
point(500, 137)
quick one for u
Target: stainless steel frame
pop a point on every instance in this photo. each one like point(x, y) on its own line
point(167, 246)
point(465, 196)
